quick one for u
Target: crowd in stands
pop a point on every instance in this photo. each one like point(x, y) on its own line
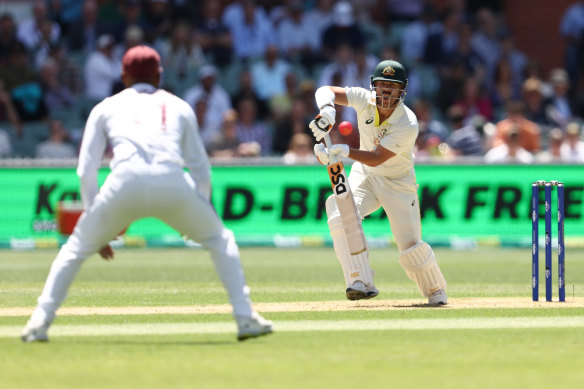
point(249, 69)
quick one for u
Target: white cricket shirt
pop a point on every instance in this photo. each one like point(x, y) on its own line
point(144, 126)
point(397, 133)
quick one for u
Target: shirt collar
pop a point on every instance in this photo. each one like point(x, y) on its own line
point(395, 115)
point(143, 87)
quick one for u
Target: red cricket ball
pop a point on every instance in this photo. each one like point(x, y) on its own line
point(345, 128)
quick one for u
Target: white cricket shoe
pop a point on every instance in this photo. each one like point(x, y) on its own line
point(359, 291)
point(35, 331)
point(252, 327)
point(438, 297)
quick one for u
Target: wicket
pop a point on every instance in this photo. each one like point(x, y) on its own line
point(548, 236)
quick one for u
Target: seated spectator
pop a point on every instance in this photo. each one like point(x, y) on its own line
point(83, 32)
point(517, 60)
point(102, 70)
point(485, 41)
point(227, 144)
point(56, 95)
point(364, 63)
point(218, 101)
point(535, 102)
point(343, 64)
point(293, 37)
point(30, 31)
point(8, 112)
point(181, 54)
point(158, 15)
point(69, 72)
point(282, 104)
point(65, 12)
point(343, 31)
point(429, 126)
point(208, 132)
point(269, 74)
point(213, 35)
point(572, 149)
point(133, 36)
point(415, 36)
point(510, 151)
point(559, 107)
point(252, 32)
point(22, 84)
point(317, 20)
point(7, 35)
point(504, 87)
point(442, 42)
point(300, 150)
point(553, 153)
point(246, 90)
point(57, 145)
point(464, 140)
point(294, 122)
point(529, 133)
point(475, 101)
point(5, 144)
point(131, 15)
point(250, 129)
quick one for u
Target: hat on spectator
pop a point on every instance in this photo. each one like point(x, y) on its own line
point(558, 76)
point(141, 62)
point(104, 41)
point(207, 71)
point(573, 129)
point(532, 84)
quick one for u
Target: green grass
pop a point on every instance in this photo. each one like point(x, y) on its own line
point(346, 355)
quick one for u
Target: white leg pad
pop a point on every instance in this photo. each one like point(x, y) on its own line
point(355, 267)
point(420, 265)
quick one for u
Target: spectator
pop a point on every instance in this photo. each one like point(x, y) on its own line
point(517, 60)
point(56, 95)
point(246, 90)
point(181, 53)
point(22, 83)
point(464, 140)
point(294, 122)
point(158, 16)
point(415, 36)
point(317, 20)
point(485, 41)
point(83, 32)
point(559, 108)
point(300, 151)
point(133, 36)
point(293, 37)
point(252, 33)
point(69, 72)
point(364, 63)
point(65, 12)
point(510, 151)
point(5, 145)
point(343, 31)
point(282, 104)
point(428, 125)
point(553, 154)
point(404, 11)
point(207, 131)
point(57, 145)
point(30, 31)
point(214, 36)
point(218, 101)
point(572, 30)
point(475, 101)
point(7, 36)
point(8, 112)
point(504, 87)
point(528, 133)
point(269, 74)
point(227, 144)
point(132, 15)
point(572, 149)
point(250, 129)
point(101, 70)
point(534, 102)
point(343, 65)
point(442, 42)
point(467, 54)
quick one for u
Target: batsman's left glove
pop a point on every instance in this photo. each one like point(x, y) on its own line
point(323, 122)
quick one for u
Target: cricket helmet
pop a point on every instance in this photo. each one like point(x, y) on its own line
point(390, 70)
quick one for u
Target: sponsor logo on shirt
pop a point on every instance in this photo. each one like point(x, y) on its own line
point(369, 121)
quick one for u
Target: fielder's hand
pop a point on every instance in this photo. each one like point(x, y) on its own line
point(106, 252)
point(339, 150)
point(321, 153)
point(323, 122)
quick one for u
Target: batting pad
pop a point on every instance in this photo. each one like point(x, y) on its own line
point(420, 265)
point(355, 267)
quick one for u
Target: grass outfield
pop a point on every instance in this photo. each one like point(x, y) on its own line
point(159, 318)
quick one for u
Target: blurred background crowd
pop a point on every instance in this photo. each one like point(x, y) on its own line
point(249, 69)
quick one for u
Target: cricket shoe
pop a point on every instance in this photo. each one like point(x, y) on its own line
point(253, 326)
point(359, 291)
point(35, 331)
point(438, 297)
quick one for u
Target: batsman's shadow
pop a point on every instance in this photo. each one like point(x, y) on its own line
point(166, 343)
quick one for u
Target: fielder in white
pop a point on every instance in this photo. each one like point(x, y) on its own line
point(382, 176)
point(154, 134)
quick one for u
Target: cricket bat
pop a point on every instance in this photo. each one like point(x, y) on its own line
point(346, 204)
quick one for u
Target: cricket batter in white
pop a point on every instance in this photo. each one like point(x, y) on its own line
point(154, 135)
point(382, 176)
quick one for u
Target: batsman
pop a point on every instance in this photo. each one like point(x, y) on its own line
point(382, 175)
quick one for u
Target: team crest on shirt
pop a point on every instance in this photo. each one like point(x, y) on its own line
point(380, 136)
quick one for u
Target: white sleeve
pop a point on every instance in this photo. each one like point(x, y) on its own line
point(358, 98)
point(195, 156)
point(92, 147)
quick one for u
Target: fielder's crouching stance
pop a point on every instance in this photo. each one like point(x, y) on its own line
point(382, 176)
point(154, 134)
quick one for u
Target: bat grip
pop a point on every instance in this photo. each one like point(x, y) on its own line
point(328, 143)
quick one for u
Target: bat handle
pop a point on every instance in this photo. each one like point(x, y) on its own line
point(328, 143)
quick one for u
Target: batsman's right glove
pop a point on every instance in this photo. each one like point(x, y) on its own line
point(321, 153)
point(323, 122)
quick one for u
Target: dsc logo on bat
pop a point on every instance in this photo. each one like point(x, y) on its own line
point(338, 179)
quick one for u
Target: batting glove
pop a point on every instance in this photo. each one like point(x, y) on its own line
point(339, 150)
point(321, 153)
point(323, 122)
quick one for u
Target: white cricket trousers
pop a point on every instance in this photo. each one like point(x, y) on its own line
point(132, 192)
